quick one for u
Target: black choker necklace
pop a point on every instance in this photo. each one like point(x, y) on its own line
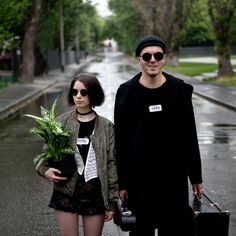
point(86, 113)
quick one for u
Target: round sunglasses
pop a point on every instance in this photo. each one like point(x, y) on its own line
point(83, 92)
point(148, 56)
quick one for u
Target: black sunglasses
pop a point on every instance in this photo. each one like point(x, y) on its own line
point(148, 56)
point(83, 92)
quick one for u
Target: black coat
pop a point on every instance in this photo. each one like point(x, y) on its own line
point(171, 180)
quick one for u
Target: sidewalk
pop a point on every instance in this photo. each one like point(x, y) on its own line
point(224, 96)
point(15, 97)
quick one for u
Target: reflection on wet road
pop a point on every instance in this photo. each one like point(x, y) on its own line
point(215, 124)
point(217, 133)
point(217, 138)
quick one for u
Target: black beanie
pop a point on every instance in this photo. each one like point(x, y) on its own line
point(150, 40)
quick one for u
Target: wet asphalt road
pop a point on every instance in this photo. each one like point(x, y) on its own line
point(24, 195)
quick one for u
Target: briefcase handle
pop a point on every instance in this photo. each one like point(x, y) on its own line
point(125, 204)
point(209, 203)
point(124, 209)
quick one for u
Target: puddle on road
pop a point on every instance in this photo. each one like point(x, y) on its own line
point(97, 60)
point(218, 133)
point(126, 68)
point(233, 126)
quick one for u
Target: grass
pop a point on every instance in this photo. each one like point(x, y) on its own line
point(229, 81)
point(194, 69)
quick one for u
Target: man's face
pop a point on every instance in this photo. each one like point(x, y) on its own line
point(151, 60)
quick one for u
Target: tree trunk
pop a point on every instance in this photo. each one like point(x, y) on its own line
point(28, 59)
point(221, 14)
point(224, 66)
point(173, 58)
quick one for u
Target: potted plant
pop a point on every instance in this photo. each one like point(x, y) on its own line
point(57, 152)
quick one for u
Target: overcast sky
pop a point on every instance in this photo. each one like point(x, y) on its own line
point(102, 7)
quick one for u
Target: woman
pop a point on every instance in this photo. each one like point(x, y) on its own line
point(92, 191)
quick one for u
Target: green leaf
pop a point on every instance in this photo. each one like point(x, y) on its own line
point(53, 134)
point(37, 118)
point(52, 112)
point(38, 157)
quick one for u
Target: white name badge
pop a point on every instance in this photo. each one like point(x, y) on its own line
point(82, 141)
point(155, 108)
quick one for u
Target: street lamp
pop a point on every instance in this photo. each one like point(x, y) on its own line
point(62, 43)
point(16, 53)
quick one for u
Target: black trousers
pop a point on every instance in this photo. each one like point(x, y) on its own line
point(175, 223)
point(167, 231)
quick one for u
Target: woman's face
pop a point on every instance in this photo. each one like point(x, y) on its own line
point(80, 95)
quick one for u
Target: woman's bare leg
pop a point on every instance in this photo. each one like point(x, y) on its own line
point(68, 223)
point(93, 225)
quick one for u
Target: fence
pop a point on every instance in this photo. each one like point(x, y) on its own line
point(71, 56)
point(201, 51)
point(7, 80)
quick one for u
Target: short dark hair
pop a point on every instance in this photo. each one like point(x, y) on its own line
point(93, 86)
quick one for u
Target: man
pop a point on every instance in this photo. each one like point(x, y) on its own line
point(157, 146)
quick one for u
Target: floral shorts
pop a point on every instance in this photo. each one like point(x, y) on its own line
point(86, 200)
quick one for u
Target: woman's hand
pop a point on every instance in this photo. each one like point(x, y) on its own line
point(108, 216)
point(51, 175)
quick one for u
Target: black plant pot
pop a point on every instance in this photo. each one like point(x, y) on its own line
point(67, 165)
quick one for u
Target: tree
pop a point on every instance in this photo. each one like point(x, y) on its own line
point(80, 21)
point(233, 32)
point(28, 46)
point(221, 13)
point(36, 23)
point(124, 25)
point(12, 18)
point(198, 31)
point(136, 18)
point(166, 18)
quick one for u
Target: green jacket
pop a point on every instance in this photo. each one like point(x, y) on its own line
point(103, 142)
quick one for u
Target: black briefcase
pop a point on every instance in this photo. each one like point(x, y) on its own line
point(210, 217)
point(123, 217)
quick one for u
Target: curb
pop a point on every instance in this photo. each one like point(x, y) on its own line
point(215, 100)
point(20, 102)
point(195, 82)
point(23, 101)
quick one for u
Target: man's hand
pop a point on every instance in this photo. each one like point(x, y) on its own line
point(197, 190)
